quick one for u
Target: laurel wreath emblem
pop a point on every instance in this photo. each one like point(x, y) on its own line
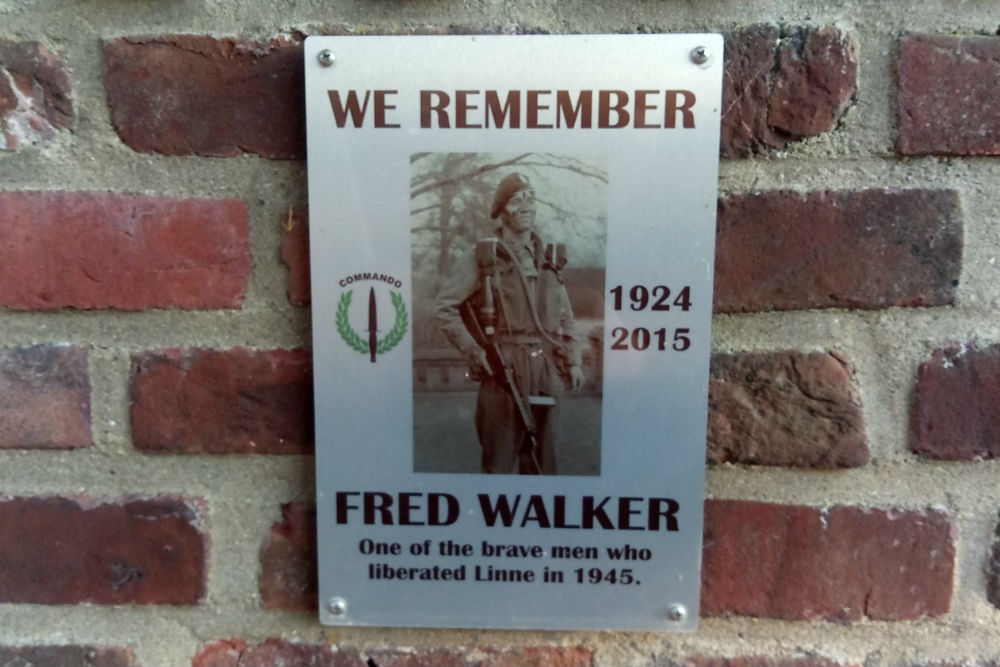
point(354, 339)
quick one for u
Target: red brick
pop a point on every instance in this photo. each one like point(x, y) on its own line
point(44, 397)
point(785, 408)
point(36, 98)
point(949, 95)
point(223, 401)
point(100, 250)
point(956, 412)
point(779, 88)
point(288, 575)
point(66, 656)
point(195, 95)
point(485, 656)
point(838, 564)
point(295, 255)
point(757, 661)
point(131, 551)
point(237, 653)
point(223, 653)
point(866, 249)
point(187, 94)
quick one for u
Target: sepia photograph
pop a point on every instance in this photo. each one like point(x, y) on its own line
point(508, 257)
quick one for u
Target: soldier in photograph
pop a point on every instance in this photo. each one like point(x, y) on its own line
point(504, 306)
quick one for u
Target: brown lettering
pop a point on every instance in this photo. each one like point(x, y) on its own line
point(341, 110)
point(670, 112)
point(462, 108)
point(427, 105)
point(566, 109)
point(511, 106)
point(534, 107)
point(381, 107)
point(605, 107)
point(641, 108)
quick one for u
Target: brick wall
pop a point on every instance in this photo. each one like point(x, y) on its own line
point(156, 493)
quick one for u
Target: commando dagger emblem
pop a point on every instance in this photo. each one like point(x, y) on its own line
point(374, 345)
point(372, 325)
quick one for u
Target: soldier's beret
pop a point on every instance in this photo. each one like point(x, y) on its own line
point(510, 185)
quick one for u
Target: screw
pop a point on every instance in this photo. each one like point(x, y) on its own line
point(677, 613)
point(700, 55)
point(325, 57)
point(337, 606)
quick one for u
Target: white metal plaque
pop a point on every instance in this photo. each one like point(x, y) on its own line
point(512, 253)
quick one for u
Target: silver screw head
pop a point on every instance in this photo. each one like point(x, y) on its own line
point(337, 606)
point(676, 613)
point(700, 55)
point(325, 57)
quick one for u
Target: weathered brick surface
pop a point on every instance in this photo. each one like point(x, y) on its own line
point(867, 249)
point(36, 98)
point(779, 87)
point(288, 576)
point(238, 653)
point(839, 564)
point(194, 95)
point(486, 656)
point(65, 656)
point(223, 653)
point(295, 255)
point(785, 408)
point(787, 251)
point(756, 661)
point(949, 95)
point(187, 94)
point(44, 397)
point(133, 551)
point(222, 401)
point(100, 250)
point(813, 661)
point(956, 411)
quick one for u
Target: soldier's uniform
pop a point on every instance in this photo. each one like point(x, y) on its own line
point(539, 366)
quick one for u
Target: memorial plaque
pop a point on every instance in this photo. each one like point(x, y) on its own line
point(512, 247)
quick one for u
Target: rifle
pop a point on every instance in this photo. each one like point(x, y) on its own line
point(485, 336)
